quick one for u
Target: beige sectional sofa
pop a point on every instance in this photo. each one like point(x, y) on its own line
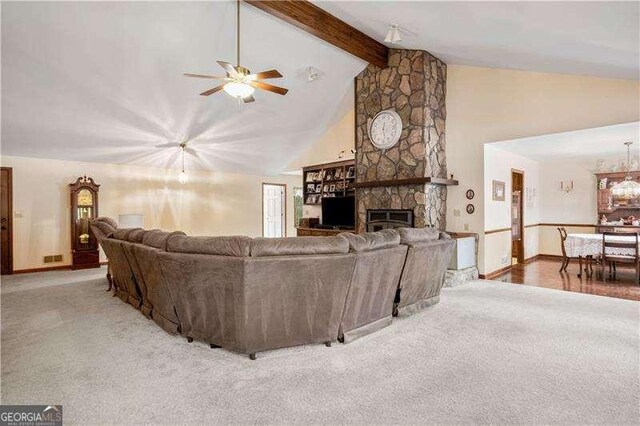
point(251, 295)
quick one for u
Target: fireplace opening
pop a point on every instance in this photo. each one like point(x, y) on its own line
point(378, 219)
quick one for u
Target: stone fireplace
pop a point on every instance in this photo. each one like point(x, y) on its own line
point(412, 175)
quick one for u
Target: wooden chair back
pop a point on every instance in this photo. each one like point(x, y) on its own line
point(563, 238)
point(609, 243)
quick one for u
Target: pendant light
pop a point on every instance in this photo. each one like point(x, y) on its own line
point(628, 188)
point(182, 177)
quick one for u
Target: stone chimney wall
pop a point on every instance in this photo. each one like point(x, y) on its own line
point(414, 85)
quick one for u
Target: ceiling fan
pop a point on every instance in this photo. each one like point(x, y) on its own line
point(240, 83)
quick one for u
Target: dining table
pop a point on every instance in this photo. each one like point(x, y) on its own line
point(584, 246)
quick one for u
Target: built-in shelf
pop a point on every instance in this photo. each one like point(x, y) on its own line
point(410, 181)
point(608, 204)
point(327, 180)
point(616, 208)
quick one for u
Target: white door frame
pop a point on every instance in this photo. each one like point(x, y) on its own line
point(283, 207)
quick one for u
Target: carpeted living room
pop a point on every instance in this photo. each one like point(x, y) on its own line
point(234, 212)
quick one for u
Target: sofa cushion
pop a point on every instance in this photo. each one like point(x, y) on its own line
point(261, 247)
point(136, 235)
point(417, 235)
point(109, 221)
point(104, 228)
point(158, 239)
point(237, 246)
point(372, 240)
point(123, 233)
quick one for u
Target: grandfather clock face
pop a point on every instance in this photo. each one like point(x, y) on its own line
point(385, 129)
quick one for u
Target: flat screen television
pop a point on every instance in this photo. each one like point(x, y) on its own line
point(339, 212)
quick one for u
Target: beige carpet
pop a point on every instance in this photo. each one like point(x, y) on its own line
point(488, 353)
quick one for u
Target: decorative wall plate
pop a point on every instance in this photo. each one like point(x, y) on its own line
point(385, 129)
point(470, 194)
point(471, 208)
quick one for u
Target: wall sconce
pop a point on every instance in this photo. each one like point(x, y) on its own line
point(566, 186)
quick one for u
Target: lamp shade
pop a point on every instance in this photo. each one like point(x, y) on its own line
point(130, 220)
point(238, 89)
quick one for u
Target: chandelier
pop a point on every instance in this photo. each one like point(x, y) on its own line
point(628, 188)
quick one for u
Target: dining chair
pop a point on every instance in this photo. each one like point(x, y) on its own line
point(589, 260)
point(565, 258)
point(610, 257)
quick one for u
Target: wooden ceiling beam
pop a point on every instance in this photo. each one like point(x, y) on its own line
point(314, 20)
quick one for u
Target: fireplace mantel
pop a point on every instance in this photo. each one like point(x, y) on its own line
point(411, 181)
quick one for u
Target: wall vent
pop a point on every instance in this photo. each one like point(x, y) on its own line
point(52, 259)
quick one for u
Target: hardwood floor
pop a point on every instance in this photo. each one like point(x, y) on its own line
point(544, 273)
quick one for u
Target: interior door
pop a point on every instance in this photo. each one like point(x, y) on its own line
point(6, 220)
point(273, 210)
point(517, 223)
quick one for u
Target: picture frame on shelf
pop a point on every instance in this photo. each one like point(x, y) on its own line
point(351, 172)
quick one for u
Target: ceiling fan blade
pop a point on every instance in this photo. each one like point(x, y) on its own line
point(228, 68)
point(215, 77)
point(211, 91)
point(265, 74)
point(269, 87)
point(249, 99)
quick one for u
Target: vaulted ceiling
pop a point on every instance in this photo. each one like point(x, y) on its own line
point(597, 38)
point(102, 81)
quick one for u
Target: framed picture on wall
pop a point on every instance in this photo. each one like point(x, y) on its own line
point(498, 190)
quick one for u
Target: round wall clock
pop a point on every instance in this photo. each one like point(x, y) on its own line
point(471, 208)
point(385, 129)
point(470, 194)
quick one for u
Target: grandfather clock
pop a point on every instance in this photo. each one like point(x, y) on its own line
point(84, 208)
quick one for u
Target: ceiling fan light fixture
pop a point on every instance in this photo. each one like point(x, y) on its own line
point(240, 83)
point(238, 89)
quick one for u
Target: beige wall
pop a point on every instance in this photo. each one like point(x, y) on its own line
point(498, 165)
point(340, 136)
point(488, 105)
point(209, 204)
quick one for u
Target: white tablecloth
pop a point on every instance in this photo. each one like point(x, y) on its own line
point(591, 245)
